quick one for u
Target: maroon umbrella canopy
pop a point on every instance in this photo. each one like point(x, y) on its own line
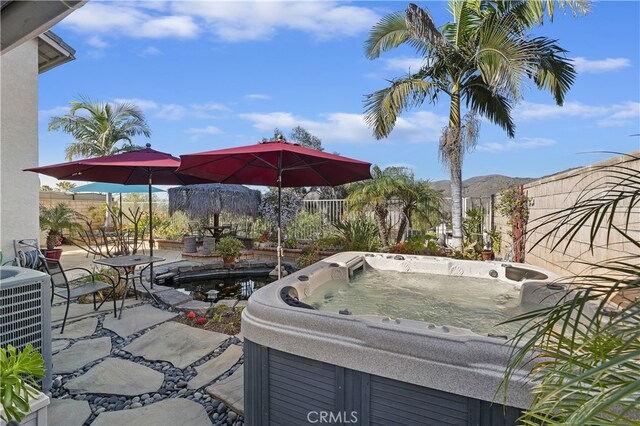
point(143, 166)
point(260, 164)
point(127, 168)
point(275, 163)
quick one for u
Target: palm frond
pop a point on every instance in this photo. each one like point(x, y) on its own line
point(389, 33)
point(383, 106)
point(486, 103)
point(554, 71)
point(420, 26)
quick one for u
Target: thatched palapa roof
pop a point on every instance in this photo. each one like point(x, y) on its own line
point(202, 201)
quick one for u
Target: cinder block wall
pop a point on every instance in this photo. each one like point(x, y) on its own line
point(557, 192)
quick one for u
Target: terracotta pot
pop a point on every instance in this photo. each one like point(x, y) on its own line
point(228, 260)
point(53, 254)
point(487, 254)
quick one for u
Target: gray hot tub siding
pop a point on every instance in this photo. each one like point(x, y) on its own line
point(300, 360)
point(282, 388)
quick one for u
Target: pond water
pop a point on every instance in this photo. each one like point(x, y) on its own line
point(228, 288)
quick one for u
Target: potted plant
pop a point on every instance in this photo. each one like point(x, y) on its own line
point(54, 220)
point(229, 248)
point(263, 239)
point(18, 388)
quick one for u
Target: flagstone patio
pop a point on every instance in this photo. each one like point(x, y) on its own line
point(144, 369)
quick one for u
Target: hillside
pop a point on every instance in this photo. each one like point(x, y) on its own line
point(481, 186)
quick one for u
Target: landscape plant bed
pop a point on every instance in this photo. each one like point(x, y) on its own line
point(223, 319)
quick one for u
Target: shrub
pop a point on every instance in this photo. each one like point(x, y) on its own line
point(308, 257)
point(229, 247)
point(359, 234)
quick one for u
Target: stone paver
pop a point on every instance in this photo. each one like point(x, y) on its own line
point(137, 319)
point(173, 297)
point(80, 354)
point(117, 377)
point(215, 367)
point(176, 343)
point(75, 330)
point(230, 391)
point(67, 412)
point(176, 411)
point(81, 310)
point(58, 345)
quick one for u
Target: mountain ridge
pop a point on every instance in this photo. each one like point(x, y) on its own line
point(481, 186)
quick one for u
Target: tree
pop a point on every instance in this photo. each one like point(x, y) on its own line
point(480, 58)
point(65, 186)
point(418, 198)
point(306, 139)
point(46, 188)
point(56, 219)
point(100, 129)
point(377, 193)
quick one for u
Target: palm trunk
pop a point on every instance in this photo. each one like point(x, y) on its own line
point(107, 216)
point(406, 220)
point(454, 156)
point(380, 215)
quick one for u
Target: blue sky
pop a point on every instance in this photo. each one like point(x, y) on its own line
point(212, 75)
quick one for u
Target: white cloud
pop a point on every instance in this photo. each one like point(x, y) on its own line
point(196, 133)
point(340, 127)
point(584, 65)
point(240, 21)
point(511, 145)
point(46, 114)
point(143, 104)
point(606, 115)
point(97, 42)
point(257, 96)
point(404, 64)
point(171, 112)
point(205, 110)
point(127, 19)
point(151, 51)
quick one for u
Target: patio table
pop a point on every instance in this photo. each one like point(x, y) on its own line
point(128, 265)
point(216, 231)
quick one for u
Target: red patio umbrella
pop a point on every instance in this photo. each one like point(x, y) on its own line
point(143, 166)
point(274, 163)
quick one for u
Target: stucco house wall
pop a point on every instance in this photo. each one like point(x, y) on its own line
point(18, 145)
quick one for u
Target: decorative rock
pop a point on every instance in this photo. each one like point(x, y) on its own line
point(117, 376)
point(232, 416)
point(176, 343)
point(80, 354)
point(136, 405)
point(168, 412)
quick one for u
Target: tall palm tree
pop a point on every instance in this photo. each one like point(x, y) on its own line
point(480, 58)
point(100, 129)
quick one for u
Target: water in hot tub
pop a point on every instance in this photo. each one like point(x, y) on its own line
point(474, 303)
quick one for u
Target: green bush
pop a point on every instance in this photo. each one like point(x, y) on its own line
point(229, 247)
point(306, 226)
point(330, 243)
point(18, 370)
point(290, 243)
point(359, 234)
point(308, 257)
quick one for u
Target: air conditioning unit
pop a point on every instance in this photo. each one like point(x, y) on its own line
point(25, 312)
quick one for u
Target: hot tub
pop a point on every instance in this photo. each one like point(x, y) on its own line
point(344, 341)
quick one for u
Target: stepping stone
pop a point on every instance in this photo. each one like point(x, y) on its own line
point(68, 412)
point(179, 344)
point(173, 297)
point(58, 345)
point(230, 391)
point(175, 411)
point(115, 376)
point(75, 330)
point(82, 310)
point(215, 367)
point(137, 319)
point(80, 354)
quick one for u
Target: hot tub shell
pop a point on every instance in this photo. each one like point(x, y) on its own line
point(298, 361)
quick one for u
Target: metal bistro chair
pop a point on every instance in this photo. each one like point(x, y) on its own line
point(72, 289)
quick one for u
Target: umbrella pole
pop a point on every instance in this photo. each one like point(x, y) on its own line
point(151, 276)
point(279, 249)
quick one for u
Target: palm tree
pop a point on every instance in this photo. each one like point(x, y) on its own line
point(56, 219)
point(481, 58)
point(415, 197)
point(65, 186)
point(100, 129)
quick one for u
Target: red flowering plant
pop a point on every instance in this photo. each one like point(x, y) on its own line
point(264, 237)
point(191, 315)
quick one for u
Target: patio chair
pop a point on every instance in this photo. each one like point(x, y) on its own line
point(72, 289)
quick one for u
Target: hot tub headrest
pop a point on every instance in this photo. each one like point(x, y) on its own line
point(290, 296)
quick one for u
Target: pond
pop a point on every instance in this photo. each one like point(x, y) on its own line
point(240, 287)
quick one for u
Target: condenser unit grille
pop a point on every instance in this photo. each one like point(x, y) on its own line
point(25, 315)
